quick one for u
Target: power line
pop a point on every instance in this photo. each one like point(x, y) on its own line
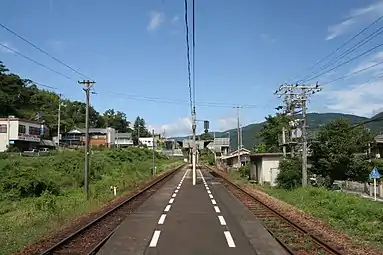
point(43, 51)
point(349, 51)
point(344, 44)
point(177, 102)
point(34, 61)
point(188, 55)
point(346, 62)
point(353, 73)
point(194, 94)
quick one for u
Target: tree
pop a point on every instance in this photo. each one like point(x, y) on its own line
point(206, 136)
point(139, 130)
point(290, 173)
point(260, 148)
point(272, 129)
point(116, 120)
point(333, 155)
point(22, 98)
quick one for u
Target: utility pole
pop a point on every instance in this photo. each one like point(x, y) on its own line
point(238, 136)
point(59, 123)
point(154, 164)
point(296, 96)
point(118, 146)
point(88, 85)
point(194, 146)
point(284, 141)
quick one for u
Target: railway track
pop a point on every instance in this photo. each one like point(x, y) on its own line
point(91, 237)
point(292, 237)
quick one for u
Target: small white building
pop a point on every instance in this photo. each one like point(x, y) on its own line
point(24, 134)
point(148, 141)
point(123, 140)
point(264, 167)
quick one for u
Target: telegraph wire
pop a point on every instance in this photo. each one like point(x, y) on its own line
point(346, 62)
point(36, 62)
point(43, 51)
point(347, 52)
point(188, 56)
point(193, 65)
point(177, 102)
point(353, 73)
point(341, 46)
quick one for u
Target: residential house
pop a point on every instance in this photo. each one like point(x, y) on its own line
point(98, 137)
point(123, 140)
point(21, 133)
point(150, 142)
point(231, 160)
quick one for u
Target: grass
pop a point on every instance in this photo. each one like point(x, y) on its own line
point(360, 218)
point(27, 215)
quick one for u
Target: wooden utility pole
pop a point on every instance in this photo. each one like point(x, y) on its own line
point(59, 123)
point(296, 96)
point(239, 143)
point(88, 85)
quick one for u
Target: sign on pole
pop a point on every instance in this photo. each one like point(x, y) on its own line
point(374, 175)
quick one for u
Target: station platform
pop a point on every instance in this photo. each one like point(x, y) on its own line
point(184, 219)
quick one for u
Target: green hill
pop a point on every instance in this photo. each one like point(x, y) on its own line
point(315, 120)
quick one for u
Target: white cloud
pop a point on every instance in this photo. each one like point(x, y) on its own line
point(8, 48)
point(226, 123)
point(267, 37)
point(354, 18)
point(360, 99)
point(175, 19)
point(180, 127)
point(155, 20)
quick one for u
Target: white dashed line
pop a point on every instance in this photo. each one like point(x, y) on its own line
point(210, 195)
point(174, 195)
point(217, 210)
point(171, 201)
point(156, 236)
point(222, 220)
point(167, 208)
point(209, 191)
point(176, 191)
point(162, 219)
point(213, 202)
point(229, 239)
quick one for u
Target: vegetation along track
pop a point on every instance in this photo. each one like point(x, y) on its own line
point(292, 237)
point(88, 239)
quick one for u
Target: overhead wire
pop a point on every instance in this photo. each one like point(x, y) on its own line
point(188, 56)
point(358, 45)
point(346, 62)
point(349, 51)
point(43, 51)
point(353, 73)
point(193, 51)
point(34, 61)
point(177, 102)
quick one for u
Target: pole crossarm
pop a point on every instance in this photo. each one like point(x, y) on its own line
point(295, 97)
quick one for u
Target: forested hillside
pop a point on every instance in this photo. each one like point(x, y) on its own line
point(23, 99)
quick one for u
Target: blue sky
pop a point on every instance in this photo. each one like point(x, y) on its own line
point(135, 51)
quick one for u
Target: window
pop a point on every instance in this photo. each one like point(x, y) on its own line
point(34, 131)
point(3, 128)
point(22, 129)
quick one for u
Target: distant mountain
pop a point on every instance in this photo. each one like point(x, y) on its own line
point(315, 120)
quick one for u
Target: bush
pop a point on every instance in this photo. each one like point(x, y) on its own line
point(290, 173)
point(244, 171)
